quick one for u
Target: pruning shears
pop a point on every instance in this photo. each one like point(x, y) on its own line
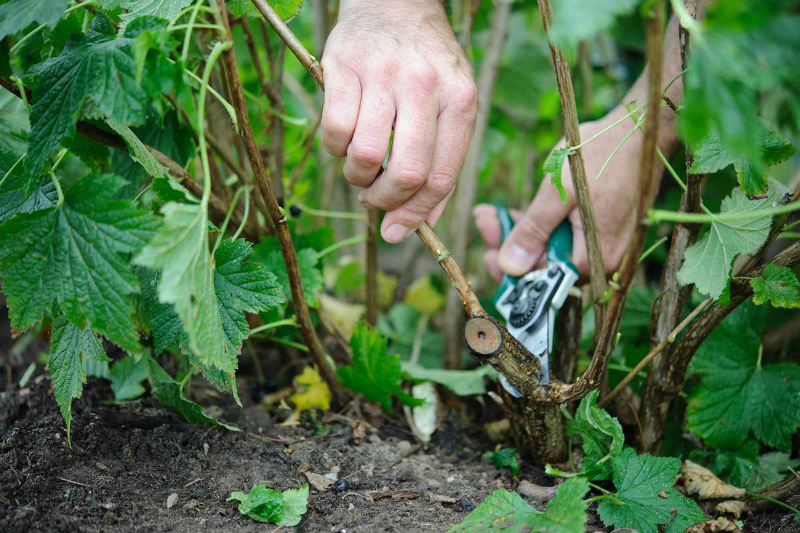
point(529, 303)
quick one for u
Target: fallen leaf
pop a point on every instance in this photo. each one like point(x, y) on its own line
point(701, 482)
point(339, 315)
point(536, 492)
point(321, 483)
point(312, 391)
point(359, 431)
point(441, 498)
point(714, 526)
point(731, 507)
point(393, 494)
point(171, 499)
point(424, 297)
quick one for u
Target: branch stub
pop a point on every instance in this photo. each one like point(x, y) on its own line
point(483, 337)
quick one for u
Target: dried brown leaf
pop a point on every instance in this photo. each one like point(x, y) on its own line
point(321, 483)
point(731, 507)
point(701, 482)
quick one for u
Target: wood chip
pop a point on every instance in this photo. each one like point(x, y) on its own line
point(536, 492)
point(393, 494)
point(321, 483)
point(171, 499)
point(701, 482)
point(359, 431)
point(731, 507)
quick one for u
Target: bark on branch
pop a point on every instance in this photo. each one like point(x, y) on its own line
point(569, 114)
point(276, 215)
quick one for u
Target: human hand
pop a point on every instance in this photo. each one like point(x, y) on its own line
point(613, 197)
point(390, 63)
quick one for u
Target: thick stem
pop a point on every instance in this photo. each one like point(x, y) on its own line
point(373, 220)
point(468, 181)
point(569, 114)
point(276, 215)
point(647, 188)
point(568, 337)
point(669, 310)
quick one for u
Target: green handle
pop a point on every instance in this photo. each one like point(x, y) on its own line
point(559, 247)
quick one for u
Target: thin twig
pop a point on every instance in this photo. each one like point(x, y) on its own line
point(569, 113)
point(276, 215)
point(666, 341)
point(74, 482)
point(468, 180)
point(373, 220)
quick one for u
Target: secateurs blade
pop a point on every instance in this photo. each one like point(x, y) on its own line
point(529, 303)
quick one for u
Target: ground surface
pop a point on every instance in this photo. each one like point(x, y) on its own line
point(126, 461)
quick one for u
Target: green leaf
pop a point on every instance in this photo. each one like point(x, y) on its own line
point(170, 393)
point(73, 253)
point(779, 285)
point(461, 382)
point(601, 435)
point(127, 376)
point(138, 151)
point(736, 393)
point(310, 274)
point(15, 198)
point(554, 165)
point(163, 9)
point(14, 124)
point(505, 458)
point(242, 286)
point(645, 489)
point(286, 9)
point(69, 346)
point(97, 68)
point(707, 263)
point(712, 155)
point(180, 251)
point(566, 512)
point(577, 20)
point(373, 373)
point(268, 505)
point(720, 91)
point(295, 504)
point(16, 15)
point(508, 512)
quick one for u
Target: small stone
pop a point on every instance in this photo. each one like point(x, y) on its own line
point(351, 507)
point(90, 501)
point(340, 485)
point(101, 466)
point(403, 446)
point(171, 499)
point(205, 449)
point(466, 507)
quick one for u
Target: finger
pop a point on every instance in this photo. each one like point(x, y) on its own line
point(370, 141)
point(490, 260)
point(340, 109)
point(527, 242)
point(453, 132)
point(488, 223)
point(412, 153)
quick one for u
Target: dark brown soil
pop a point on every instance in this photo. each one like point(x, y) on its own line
point(126, 460)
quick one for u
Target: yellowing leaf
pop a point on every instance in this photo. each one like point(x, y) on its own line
point(424, 297)
point(701, 482)
point(314, 394)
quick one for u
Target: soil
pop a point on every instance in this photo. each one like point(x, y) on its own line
point(126, 461)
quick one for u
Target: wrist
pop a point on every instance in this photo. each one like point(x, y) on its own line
point(347, 7)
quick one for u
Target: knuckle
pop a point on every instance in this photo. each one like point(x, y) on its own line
point(531, 229)
point(408, 179)
point(423, 77)
point(465, 98)
point(366, 155)
point(441, 183)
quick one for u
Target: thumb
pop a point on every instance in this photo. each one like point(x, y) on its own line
point(527, 242)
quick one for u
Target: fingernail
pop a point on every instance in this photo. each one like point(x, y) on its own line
point(515, 259)
point(396, 233)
